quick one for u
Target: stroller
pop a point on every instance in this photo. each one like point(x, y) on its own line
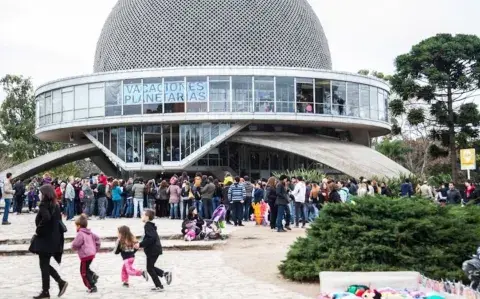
point(213, 227)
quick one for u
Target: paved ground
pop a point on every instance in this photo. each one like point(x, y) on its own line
point(245, 268)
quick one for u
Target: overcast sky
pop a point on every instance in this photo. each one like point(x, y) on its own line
point(51, 39)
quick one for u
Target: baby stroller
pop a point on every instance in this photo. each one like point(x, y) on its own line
point(213, 227)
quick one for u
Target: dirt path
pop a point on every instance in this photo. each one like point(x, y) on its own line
point(257, 252)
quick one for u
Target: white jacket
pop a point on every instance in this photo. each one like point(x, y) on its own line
point(299, 192)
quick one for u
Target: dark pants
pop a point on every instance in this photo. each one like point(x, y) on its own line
point(153, 271)
point(300, 212)
point(87, 274)
point(19, 206)
point(48, 270)
point(187, 203)
point(246, 208)
point(273, 215)
point(237, 212)
point(288, 216)
point(109, 207)
point(207, 207)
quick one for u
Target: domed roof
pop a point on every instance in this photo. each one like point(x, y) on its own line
point(142, 34)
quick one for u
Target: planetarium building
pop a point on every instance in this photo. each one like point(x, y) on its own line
point(244, 86)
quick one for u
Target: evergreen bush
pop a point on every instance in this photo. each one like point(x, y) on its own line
point(386, 234)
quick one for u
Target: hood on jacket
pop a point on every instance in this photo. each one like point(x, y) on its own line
point(150, 226)
point(85, 231)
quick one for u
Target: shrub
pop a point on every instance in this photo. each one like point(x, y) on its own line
point(383, 234)
point(311, 175)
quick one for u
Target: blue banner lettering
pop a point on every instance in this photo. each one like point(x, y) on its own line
point(197, 91)
point(132, 94)
point(153, 93)
point(174, 92)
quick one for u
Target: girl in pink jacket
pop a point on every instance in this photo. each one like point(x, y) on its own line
point(86, 244)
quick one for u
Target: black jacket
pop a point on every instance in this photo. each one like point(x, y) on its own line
point(271, 195)
point(282, 195)
point(151, 241)
point(126, 253)
point(19, 188)
point(200, 224)
point(334, 197)
point(49, 231)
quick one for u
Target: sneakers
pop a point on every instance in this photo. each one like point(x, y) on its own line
point(145, 275)
point(62, 287)
point(168, 277)
point(95, 278)
point(42, 295)
point(288, 227)
point(92, 290)
point(158, 289)
point(6, 223)
point(126, 285)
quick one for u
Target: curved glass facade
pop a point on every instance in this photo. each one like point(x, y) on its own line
point(212, 94)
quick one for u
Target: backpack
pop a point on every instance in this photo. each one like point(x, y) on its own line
point(347, 193)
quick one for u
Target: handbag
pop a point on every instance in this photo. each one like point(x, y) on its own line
point(63, 228)
point(32, 248)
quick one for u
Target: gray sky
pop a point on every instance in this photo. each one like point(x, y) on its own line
point(51, 39)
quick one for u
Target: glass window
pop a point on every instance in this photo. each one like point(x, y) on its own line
point(353, 95)
point(175, 143)
point(48, 108)
point(106, 139)
point(57, 101)
point(121, 143)
point(264, 94)
point(242, 94)
point(197, 100)
point(82, 113)
point(373, 103)
point(132, 97)
point(129, 144)
point(41, 109)
point(152, 95)
point(113, 103)
point(153, 148)
point(81, 97)
point(67, 103)
point(96, 95)
point(114, 140)
point(101, 135)
point(167, 145)
point(285, 92)
point(386, 95)
point(137, 144)
point(381, 105)
point(185, 134)
point(322, 97)
point(219, 93)
point(364, 101)
point(174, 95)
point(339, 90)
point(304, 95)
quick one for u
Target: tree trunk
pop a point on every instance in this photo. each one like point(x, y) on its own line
point(451, 136)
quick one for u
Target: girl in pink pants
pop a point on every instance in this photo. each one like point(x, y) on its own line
point(125, 247)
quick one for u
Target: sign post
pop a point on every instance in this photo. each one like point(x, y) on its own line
point(468, 160)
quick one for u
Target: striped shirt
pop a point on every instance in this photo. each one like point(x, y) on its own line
point(236, 192)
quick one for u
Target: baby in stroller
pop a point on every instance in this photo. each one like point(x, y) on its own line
point(213, 227)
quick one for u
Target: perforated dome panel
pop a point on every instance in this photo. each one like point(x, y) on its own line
point(176, 33)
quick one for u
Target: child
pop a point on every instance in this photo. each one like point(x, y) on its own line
point(125, 246)
point(190, 228)
point(87, 244)
point(153, 249)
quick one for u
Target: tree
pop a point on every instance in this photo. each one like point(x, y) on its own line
point(17, 120)
point(394, 149)
point(441, 72)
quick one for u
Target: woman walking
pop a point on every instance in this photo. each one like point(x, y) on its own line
point(48, 240)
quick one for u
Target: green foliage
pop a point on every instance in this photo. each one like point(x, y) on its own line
point(441, 178)
point(395, 183)
point(17, 121)
point(394, 149)
point(65, 171)
point(442, 71)
point(383, 234)
point(311, 175)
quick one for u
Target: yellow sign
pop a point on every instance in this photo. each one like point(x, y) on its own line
point(468, 159)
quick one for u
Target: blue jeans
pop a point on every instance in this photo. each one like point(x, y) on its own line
point(199, 207)
point(280, 214)
point(6, 211)
point(292, 211)
point(70, 209)
point(102, 207)
point(216, 202)
point(116, 208)
point(173, 210)
point(129, 207)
